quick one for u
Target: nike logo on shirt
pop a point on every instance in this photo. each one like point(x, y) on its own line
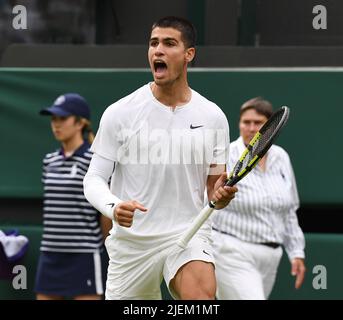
point(195, 127)
point(205, 252)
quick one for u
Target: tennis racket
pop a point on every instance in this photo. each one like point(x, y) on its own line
point(256, 149)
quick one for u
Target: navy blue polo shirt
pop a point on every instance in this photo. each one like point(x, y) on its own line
point(71, 224)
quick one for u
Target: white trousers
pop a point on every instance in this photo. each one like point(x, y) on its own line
point(244, 271)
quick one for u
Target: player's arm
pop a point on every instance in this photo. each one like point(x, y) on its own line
point(106, 226)
point(98, 194)
point(215, 190)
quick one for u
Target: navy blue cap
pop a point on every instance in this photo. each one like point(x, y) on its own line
point(69, 104)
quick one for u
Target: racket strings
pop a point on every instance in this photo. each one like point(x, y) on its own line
point(268, 133)
point(262, 143)
point(244, 163)
point(249, 156)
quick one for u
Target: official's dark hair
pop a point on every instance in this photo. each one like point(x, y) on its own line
point(258, 104)
point(187, 29)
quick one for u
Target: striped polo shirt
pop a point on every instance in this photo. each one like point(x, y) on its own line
point(264, 208)
point(71, 224)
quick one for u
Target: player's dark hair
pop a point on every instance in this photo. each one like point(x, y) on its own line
point(258, 104)
point(187, 29)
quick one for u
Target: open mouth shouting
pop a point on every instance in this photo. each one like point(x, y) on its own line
point(160, 68)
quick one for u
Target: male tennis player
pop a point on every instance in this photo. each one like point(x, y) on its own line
point(168, 144)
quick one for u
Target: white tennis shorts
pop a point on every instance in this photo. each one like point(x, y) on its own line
point(136, 272)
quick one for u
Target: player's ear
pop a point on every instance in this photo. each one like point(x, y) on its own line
point(190, 54)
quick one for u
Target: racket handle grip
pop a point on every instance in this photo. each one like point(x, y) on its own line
point(195, 226)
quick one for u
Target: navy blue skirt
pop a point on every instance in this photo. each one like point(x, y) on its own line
point(71, 274)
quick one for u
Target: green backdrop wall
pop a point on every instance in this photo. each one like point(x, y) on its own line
point(311, 137)
point(322, 251)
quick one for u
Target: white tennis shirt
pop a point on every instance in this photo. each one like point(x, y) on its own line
point(162, 158)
